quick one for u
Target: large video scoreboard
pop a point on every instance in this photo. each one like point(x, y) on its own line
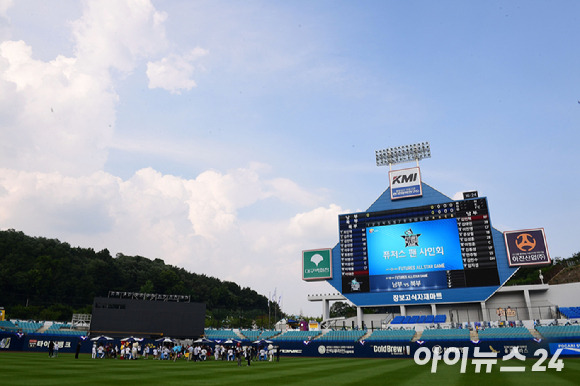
point(419, 251)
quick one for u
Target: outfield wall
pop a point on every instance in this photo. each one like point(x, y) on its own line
point(392, 349)
point(360, 349)
point(11, 341)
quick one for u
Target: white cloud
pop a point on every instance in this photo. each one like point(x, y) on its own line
point(320, 221)
point(59, 115)
point(50, 203)
point(54, 117)
point(174, 73)
point(288, 190)
point(116, 34)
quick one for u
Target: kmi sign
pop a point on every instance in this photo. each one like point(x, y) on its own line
point(405, 183)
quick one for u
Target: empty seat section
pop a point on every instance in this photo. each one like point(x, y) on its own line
point(398, 319)
point(220, 334)
point(440, 319)
point(344, 335)
point(572, 331)
point(267, 334)
point(445, 334)
point(506, 333)
point(297, 336)
point(392, 335)
point(251, 334)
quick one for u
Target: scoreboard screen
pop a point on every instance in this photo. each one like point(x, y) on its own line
point(431, 247)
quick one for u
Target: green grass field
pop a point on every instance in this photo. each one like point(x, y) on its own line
point(39, 369)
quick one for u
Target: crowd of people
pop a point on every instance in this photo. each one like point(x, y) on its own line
point(195, 352)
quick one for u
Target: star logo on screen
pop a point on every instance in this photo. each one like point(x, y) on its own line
point(354, 285)
point(411, 239)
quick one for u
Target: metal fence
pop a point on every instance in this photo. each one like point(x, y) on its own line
point(505, 314)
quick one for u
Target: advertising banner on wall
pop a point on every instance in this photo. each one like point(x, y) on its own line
point(568, 348)
point(527, 247)
point(404, 349)
point(405, 183)
point(317, 264)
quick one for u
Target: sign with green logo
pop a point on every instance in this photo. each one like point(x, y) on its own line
point(317, 264)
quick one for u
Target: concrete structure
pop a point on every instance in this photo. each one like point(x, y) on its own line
point(509, 303)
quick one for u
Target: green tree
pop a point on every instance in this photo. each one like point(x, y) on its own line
point(48, 279)
point(148, 287)
point(339, 309)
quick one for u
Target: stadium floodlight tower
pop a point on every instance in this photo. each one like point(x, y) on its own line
point(401, 154)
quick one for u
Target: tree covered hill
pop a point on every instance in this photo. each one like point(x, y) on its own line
point(559, 272)
point(47, 279)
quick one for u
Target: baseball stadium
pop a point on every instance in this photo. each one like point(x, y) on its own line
point(435, 265)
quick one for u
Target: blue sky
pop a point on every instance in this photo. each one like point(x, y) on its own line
point(225, 137)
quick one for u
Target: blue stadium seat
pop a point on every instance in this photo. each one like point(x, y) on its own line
point(570, 312)
point(398, 319)
point(509, 333)
point(392, 335)
point(446, 334)
point(440, 318)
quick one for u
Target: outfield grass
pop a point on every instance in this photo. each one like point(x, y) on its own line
point(38, 369)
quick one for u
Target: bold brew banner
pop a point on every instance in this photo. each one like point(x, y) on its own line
point(527, 247)
point(405, 183)
point(317, 264)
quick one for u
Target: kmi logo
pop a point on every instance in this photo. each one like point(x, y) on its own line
point(405, 183)
point(404, 178)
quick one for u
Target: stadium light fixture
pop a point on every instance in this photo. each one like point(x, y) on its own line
point(148, 296)
point(401, 154)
